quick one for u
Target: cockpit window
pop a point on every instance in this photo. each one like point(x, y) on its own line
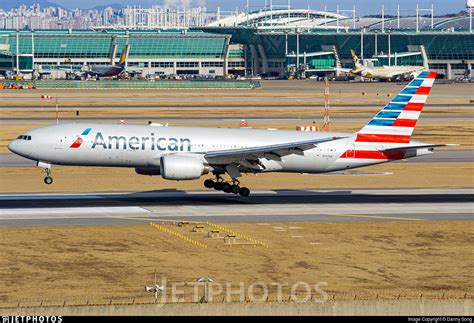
point(23, 137)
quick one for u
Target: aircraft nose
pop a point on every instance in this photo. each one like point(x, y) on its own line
point(18, 147)
point(13, 146)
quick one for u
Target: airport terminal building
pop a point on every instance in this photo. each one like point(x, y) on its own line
point(274, 43)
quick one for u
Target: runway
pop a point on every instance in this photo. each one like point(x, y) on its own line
point(261, 206)
point(198, 120)
point(439, 156)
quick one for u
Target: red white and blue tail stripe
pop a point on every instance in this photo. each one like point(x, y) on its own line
point(396, 121)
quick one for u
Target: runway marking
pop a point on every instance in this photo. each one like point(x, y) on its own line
point(376, 217)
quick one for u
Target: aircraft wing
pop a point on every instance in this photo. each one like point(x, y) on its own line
point(269, 152)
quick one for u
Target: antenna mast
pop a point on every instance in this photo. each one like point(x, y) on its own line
point(327, 120)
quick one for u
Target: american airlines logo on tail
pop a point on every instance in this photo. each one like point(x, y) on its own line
point(78, 142)
point(396, 121)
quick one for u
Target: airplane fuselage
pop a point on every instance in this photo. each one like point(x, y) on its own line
point(386, 72)
point(143, 145)
point(187, 153)
point(107, 71)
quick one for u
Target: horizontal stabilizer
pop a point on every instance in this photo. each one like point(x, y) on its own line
point(417, 147)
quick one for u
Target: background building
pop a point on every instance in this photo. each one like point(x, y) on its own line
point(271, 42)
point(154, 52)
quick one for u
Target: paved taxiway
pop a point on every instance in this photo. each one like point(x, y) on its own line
point(428, 118)
point(259, 106)
point(261, 206)
point(439, 156)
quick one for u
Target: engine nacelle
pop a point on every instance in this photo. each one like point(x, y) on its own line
point(150, 171)
point(179, 167)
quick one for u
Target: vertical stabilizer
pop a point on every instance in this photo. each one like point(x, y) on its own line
point(123, 56)
point(355, 59)
point(396, 121)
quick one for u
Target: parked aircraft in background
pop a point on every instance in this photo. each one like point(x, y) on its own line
point(98, 71)
point(187, 153)
point(384, 72)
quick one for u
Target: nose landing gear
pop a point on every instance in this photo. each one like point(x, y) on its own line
point(48, 179)
point(220, 185)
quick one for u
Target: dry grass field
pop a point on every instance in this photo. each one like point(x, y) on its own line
point(387, 258)
point(273, 93)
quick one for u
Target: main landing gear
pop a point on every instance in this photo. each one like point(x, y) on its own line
point(48, 179)
point(220, 185)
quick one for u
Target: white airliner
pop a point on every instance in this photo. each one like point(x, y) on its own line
point(187, 153)
point(384, 72)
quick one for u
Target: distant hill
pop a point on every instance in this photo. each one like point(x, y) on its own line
point(10, 4)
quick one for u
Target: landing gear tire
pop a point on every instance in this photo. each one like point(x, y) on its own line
point(243, 191)
point(209, 183)
point(235, 189)
point(226, 187)
point(218, 186)
point(48, 180)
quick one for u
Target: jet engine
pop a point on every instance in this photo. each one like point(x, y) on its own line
point(179, 167)
point(150, 171)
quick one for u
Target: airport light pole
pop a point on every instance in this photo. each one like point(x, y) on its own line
point(383, 18)
point(17, 52)
point(32, 48)
point(354, 17)
point(417, 22)
point(389, 49)
point(470, 19)
point(376, 42)
point(297, 52)
point(206, 281)
point(398, 16)
point(432, 16)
